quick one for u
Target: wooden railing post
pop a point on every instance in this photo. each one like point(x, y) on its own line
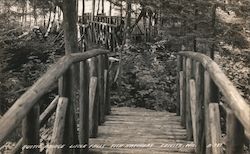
point(59, 126)
point(66, 90)
point(84, 106)
point(235, 134)
point(199, 80)
point(188, 107)
point(106, 37)
point(30, 131)
point(194, 109)
point(183, 121)
point(206, 106)
point(93, 108)
point(106, 85)
point(101, 88)
point(179, 68)
point(112, 39)
point(215, 128)
point(182, 92)
point(93, 99)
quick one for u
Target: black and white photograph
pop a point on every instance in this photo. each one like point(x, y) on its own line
point(124, 77)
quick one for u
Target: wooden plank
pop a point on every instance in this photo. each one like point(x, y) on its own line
point(59, 126)
point(30, 130)
point(151, 130)
point(22, 106)
point(235, 134)
point(193, 104)
point(215, 128)
point(235, 101)
point(93, 108)
point(182, 108)
point(188, 107)
point(84, 106)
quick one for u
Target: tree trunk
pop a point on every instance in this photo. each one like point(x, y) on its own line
point(121, 11)
point(23, 15)
point(93, 10)
point(110, 9)
point(49, 18)
point(98, 8)
point(195, 30)
point(70, 39)
point(51, 22)
point(128, 21)
point(102, 6)
point(44, 20)
point(83, 11)
point(34, 12)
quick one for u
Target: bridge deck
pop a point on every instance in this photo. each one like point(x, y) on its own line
point(131, 128)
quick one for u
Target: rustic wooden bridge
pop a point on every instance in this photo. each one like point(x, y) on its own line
point(194, 128)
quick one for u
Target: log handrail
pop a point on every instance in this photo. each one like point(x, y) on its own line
point(236, 102)
point(198, 80)
point(104, 24)
point(12, 118)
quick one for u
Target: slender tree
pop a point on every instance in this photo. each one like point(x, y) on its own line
point(93, 10)
point(34, 12)
point(98, 6)
point(103, 7)
point(128, 20)
point(110, 8)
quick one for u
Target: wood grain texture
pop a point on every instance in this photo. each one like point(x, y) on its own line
point(84, 105)
point(30, 130)
point(206, 107)
point(137, 126)
point(215, 128)
point(236, 102)
point(188, 106)
point(200, 115)
point(235, 134)
point(22, 106)
point(182, 109)
point(93, 108)
point(193, 104)
point(184, 92)
point(42, 120)
point(59, 126)
point(178, 85)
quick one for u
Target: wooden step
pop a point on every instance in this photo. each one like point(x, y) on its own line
point(141, 131)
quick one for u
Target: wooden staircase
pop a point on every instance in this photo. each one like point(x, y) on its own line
point(141, 131)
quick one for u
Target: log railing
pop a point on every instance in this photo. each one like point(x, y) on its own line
point(200, 114)
point(26, 109)
point(116, 20)
point(104, 34)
